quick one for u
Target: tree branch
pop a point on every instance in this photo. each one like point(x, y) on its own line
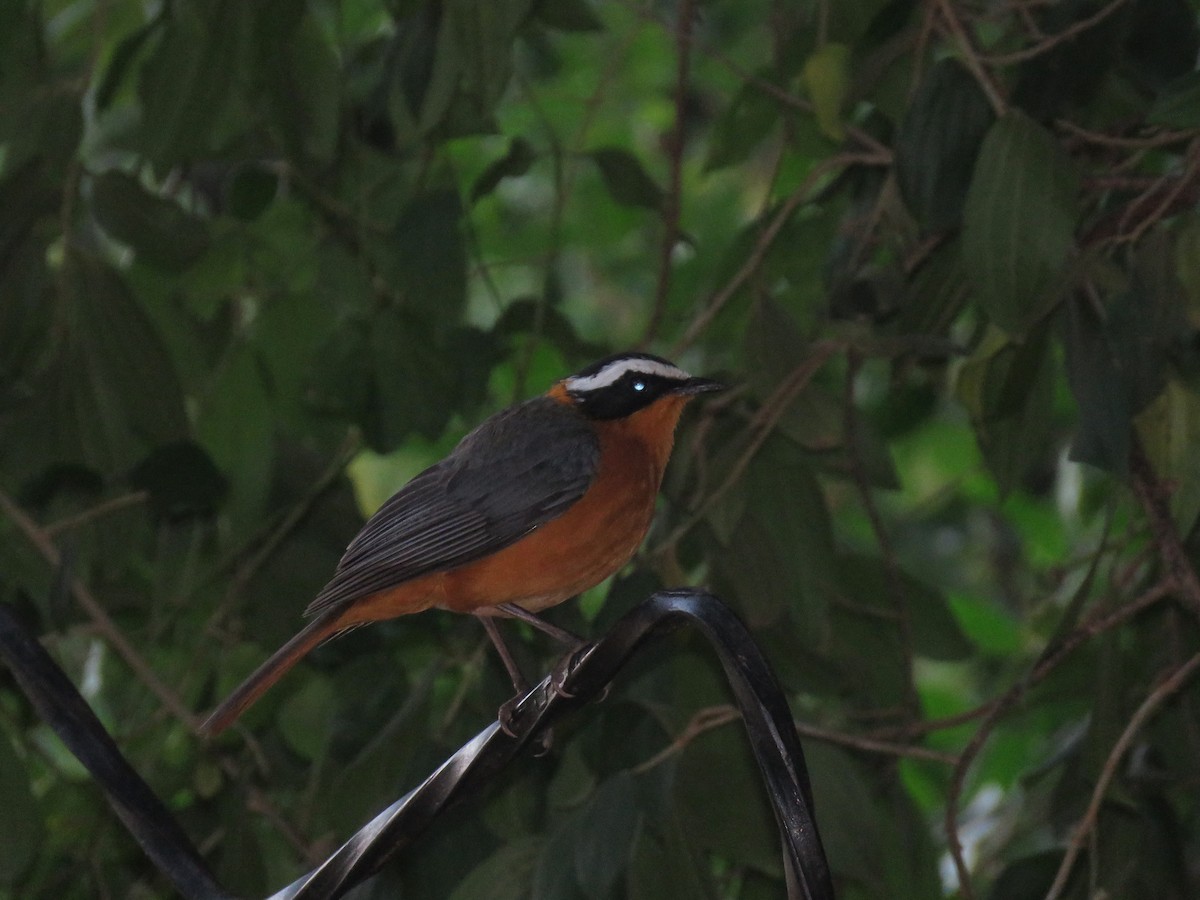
point(1049, 43)
point(758, 254)
point(998, 707)
point(1154, 498)
point(1148, 707)
point(105, 627)
point(673, 201)
point(971, 57)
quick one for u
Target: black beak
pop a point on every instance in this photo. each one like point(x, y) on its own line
point(699, 386)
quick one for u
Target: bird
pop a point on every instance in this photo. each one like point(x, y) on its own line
point(540, 502)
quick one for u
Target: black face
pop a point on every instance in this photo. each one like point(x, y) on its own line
point(621, 385)
point(630, 392)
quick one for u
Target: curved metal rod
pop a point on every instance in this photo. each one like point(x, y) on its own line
point(584, 675)
point(136, 805)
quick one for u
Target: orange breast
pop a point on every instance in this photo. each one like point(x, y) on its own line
point(576, 551)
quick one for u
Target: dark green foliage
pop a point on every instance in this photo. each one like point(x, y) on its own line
point(260, 263)
point(938, 142)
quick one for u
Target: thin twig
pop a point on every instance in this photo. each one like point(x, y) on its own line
point(762, 425)
point(1148, 707)
point(1170, 198)
point(105, 627)
point(758, 254)
point(895, 579)
point(1117, 142)
point(1045, 46)
point(69, 523)
point(971, 57)
point(272, 540)
point(712, 717)
point(1153, 497)
point(673, 201)
point(862, 139)
point(1001, 705)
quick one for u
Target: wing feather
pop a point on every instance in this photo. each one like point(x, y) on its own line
point(517, 471)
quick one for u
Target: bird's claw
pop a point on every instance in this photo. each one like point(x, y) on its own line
point(507, 713)
point(564, 668)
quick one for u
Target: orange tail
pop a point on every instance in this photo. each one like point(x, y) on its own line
point(272, 670)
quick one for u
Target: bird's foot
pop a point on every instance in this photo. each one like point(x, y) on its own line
point(507, 714)
point(565, 667)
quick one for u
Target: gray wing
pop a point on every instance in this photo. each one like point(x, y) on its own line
point(520, 469)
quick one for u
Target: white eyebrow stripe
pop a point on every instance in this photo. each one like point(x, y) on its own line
point(612, 373)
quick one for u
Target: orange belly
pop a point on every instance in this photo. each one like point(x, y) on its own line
point(590, 541)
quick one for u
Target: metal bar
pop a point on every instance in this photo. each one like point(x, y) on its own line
point(137, 806)
point(584, 675)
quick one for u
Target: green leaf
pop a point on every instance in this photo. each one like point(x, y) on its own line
point(626, 179)
point(414, 382)
point(251, 190)
point(721, 802)
point(1019, 222)
point(987, 625)
point(182, 481)
point(123, 56)
point(1030, 877)
point(124, 396)
point(610, 821)
point(938, 142)
point(1178, 104)
point(1008, 387)
point(445, 75)
point(554, 877)
point(1163, 39)
point(667, 868)
point(25, 314)
point(826, 76)
point(505, 875)
point(935, 631)
point(190, 80)
point(851, 828)
point(235, 426)
point(342, 381)
point(306, 718)
point(776, 344)
point(485, 33)
point(1170, 432)
point(302, 78)
point(531, 316)
point(567, 15)
point(1187, 267)
point(425, 258)
point(780, 560)
point(1105, 405)
point(513, 164)
point(1072, 72)
point(159, 230)
point(743, 125)
point(935, 294)
point(42, 121)
point(21, 826)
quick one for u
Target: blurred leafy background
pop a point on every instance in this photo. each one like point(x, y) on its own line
point(262, 262)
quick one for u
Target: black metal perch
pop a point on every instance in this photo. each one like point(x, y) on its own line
point(764, 711)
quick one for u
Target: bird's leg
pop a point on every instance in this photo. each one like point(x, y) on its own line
point(520, 685)
point(505, 714)
point(574, 641)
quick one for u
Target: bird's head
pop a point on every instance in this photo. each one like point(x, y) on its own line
point(619, 386)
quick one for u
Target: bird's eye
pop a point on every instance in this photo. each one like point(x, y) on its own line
point(639, 386)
